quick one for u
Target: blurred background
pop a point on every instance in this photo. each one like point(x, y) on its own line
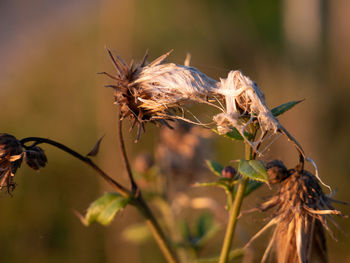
point(50, 52)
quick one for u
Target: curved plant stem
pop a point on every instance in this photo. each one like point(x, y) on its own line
point(234, 212)
point(37, 140)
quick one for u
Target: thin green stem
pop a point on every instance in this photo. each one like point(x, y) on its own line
point(234, 212)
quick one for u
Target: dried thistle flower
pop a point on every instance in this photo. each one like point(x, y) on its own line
point(11, 154)
point(243, 98)
point(302, 212)
point(245, 103)
point(149, 92)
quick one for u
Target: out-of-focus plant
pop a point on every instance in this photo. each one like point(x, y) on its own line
point(160, 93)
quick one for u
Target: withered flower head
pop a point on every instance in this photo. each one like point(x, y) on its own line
point(243, 98)
point(302, 212)
point(11, 154)
point(149, 93)
point(35, 157)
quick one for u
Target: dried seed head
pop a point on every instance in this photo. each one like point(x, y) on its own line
point(277, 171)
point(35, 157)
point(150, 92)
point(301, 214)
point(228, 172)
point(11, 154)
point(243, 99)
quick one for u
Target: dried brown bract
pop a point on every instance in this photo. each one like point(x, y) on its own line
point(302, 212)
point(11, 154)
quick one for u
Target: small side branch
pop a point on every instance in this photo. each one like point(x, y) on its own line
point(37, 140)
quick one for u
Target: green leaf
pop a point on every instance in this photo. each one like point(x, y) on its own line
point(284, 107)
point(215, 167)
point(104, 209)
point(254, 169)
point(252, 186)
point(235, 135)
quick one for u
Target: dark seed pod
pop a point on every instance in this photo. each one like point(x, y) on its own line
point(35, 158)
point(277, 171)
point(228, 172)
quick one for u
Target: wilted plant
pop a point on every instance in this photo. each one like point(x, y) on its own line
point(159, 92)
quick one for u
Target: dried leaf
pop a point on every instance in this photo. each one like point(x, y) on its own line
point(96, 148)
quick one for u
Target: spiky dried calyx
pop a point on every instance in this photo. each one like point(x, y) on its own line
point(127, 94)
point(301, 214)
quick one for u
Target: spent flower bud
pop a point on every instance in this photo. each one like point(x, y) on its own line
point(228, 172)
point(35, 158)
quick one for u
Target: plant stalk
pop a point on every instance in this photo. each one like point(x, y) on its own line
point(151, 221)
point(156, 230)
point(234, 211)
